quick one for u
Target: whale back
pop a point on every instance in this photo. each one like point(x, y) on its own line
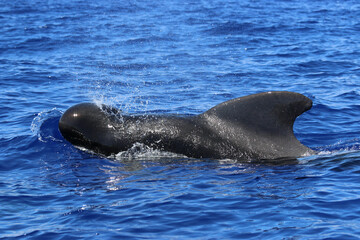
point(258, 126)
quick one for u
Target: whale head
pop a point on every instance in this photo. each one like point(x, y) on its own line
point(89, 126)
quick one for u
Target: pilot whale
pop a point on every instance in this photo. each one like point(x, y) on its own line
point(258, 126)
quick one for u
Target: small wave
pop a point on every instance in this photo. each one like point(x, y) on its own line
point(141, 151)
point(236, 28)
point(130, 66)
point(42, 125)
point(232, 27)
point(337, 152)
point(351, 95)
point(351, 145)
point(142, 40)
point(318, 68)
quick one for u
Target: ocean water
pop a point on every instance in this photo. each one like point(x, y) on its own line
point(177, 57)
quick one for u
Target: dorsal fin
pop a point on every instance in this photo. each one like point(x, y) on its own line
point(260, 125)
point(273, 112)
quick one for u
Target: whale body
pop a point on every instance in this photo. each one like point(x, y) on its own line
point(258, 126)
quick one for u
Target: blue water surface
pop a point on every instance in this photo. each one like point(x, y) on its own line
point(177, 57)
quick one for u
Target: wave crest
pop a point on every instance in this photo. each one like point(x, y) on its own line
point(42, 125)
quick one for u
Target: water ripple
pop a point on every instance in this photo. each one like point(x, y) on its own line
point(179, 57)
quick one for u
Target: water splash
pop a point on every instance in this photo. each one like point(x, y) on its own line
point(127, 97)
point(140, 151)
